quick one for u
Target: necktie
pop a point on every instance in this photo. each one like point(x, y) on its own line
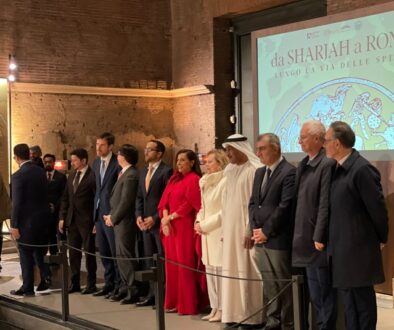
point(76, 181)
point(265, 181)
point(148, 177)
point(49, 176)
point(102, 171)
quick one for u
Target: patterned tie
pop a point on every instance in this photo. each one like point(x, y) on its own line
point(76, 181)
point(148, 177)
point(102, 171)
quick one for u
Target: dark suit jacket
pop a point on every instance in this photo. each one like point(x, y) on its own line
point(30, 204)
point(56, 188)
point(79, 206)
point(103, 191)
point(313, 182)
point(358, 224)
point(5, 203)
point(272, 212)
point(147, 201)
point(123, 197)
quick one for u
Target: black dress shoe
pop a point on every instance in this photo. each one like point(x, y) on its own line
point(128, 300)
point(74, 288)
point(103, 292)
point(146, 302)
point(20, 292)
point(89, 290)
point(118, 297)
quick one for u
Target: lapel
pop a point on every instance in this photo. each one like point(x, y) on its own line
point(154, 176)
point(272, 178)
point(82, 182)
point(120, 179)
point(111, 166)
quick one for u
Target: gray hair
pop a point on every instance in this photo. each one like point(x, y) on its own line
point(315, 127)
point(273, 140)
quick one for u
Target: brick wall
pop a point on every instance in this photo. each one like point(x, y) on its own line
point(86, 42)
point(338, 6)
point(64, 122)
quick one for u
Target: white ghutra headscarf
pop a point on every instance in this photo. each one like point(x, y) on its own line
point(240, 143)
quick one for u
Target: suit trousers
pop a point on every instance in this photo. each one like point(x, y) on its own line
point(29, 257)
point(82, 237)
point(105, 238)
point(152, 245)
point(52, 232)
point(125, 247)
point(323, 296)
point(275, 265)
point(360, 308)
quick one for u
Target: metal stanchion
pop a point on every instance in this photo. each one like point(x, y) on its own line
point(160, 318)
point(64, 268)
point(61, 259)
point(300, 322)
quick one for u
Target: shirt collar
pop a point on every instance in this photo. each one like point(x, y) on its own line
point(342, 160)
point(83, 171)
point(107, 158)
point(155, 165)
point(275, 165)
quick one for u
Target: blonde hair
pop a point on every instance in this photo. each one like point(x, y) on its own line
point(220, 157)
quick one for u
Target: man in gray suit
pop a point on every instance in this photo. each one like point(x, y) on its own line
point(122, 218)
point(313, 181)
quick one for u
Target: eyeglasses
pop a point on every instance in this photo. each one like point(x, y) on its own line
point(150, 149)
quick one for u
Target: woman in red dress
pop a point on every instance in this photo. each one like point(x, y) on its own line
point(185, 290)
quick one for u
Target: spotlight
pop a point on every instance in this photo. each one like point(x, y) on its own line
point(11, 78)
point(12, 66)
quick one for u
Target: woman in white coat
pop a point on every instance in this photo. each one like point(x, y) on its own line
point(208, 224)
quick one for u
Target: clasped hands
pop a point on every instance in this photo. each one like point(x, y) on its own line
point(108, 221)
point(145, 224)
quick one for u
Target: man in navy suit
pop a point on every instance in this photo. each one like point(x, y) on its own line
point(29, 218)
point(358, 228)
point(56, 184)
point(271, 221)
point(106, 169)
point(152, 182)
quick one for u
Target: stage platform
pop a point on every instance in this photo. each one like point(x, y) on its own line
point(103, 313)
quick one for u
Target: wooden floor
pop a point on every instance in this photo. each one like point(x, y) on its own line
point(111, 314)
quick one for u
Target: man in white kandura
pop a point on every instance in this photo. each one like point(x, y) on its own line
point(240, 298)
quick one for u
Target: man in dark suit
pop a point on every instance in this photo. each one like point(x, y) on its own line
point(106, 169)
point(28, 220)
point(153, 180)
point(35, 155)
point(271, 222)
point(122, 220)
point(5, 210)
point(358, 228)
point(313, 182)
point(56, 184)
point(76, 214)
